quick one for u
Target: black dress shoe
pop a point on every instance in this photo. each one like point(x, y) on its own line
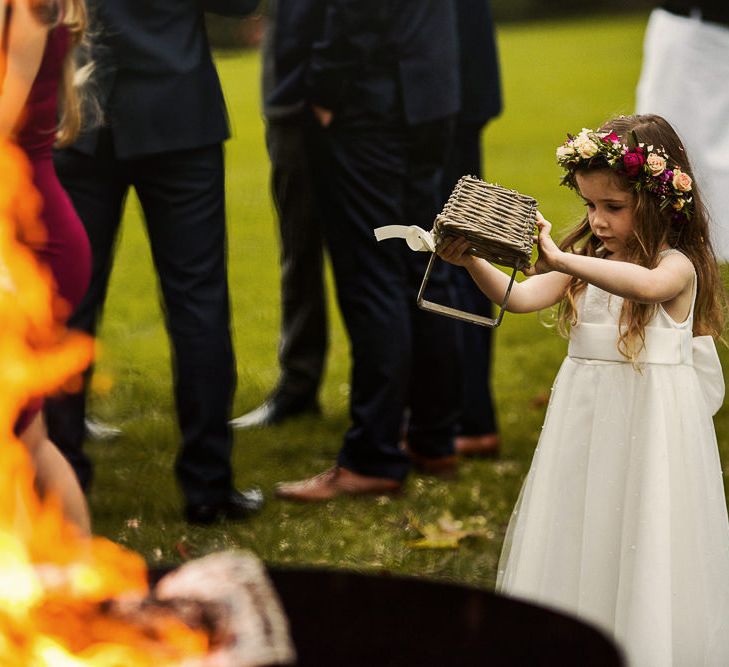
point(239, 505)
point(274, 411)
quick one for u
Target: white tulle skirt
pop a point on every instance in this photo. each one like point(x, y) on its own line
point(622, 519)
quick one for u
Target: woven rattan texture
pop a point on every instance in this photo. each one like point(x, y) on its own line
point(498, 222)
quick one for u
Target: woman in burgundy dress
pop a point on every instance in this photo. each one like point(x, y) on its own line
point(38, 90)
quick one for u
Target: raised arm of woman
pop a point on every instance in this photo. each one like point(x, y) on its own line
point(26, 41)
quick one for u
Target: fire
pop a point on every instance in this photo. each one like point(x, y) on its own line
point(54, 582)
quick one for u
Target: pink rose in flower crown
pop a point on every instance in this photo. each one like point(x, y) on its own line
point(656, 164)
point(681, 180)
point(611, 138)
point(633, 161)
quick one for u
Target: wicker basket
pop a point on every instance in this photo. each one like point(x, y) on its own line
point(499, 224)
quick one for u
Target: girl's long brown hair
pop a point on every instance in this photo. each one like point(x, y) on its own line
point(654, 229)
point(72, 14)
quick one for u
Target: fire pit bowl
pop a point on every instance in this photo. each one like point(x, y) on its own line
point(347, 619)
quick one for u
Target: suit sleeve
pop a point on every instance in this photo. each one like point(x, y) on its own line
point(235, 8)
point(353, 36)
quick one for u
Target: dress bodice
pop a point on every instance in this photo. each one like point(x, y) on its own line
point(37, 133)
point(596, 306)
point(595, 337)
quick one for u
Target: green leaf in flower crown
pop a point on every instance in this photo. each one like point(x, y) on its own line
point(632, 140)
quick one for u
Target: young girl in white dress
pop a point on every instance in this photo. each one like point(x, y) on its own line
point(622, 519)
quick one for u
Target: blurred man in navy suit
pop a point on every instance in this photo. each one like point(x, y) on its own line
point(382, 80)
point(164, 122)
point(292, 28)
point(480, 102)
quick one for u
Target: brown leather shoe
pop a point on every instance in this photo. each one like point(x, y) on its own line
point(484, 446)
point(335, 482)
point(441, 466)
point(445, 467)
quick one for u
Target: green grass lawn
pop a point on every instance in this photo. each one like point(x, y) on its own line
point(558, 77)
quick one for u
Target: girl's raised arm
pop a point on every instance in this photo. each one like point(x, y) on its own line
point(26, 43)
point(670, 279)
point(535, 293)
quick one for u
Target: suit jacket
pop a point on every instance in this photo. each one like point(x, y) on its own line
point(375, 54)
point(479, 65)
point(292, 28)
point(155, 80)
point(237, 8)
point(714, 11)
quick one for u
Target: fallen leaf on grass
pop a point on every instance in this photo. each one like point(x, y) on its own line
point(445, 533)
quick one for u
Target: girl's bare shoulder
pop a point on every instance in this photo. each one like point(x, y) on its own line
point(677, 260)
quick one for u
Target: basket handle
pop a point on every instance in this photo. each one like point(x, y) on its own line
point(431, 306)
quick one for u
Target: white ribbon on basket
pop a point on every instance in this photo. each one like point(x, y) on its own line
point(416, 237)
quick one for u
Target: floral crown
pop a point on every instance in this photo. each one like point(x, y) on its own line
point(647, 167)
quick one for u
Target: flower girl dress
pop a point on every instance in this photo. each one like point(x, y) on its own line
point(622, 519)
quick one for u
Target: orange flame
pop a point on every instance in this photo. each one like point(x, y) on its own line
point(52, 579)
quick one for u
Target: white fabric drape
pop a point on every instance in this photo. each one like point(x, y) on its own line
point(685, 79)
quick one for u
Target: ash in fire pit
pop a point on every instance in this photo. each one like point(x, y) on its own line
point(229, 597)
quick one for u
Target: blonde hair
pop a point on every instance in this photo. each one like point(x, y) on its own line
point(71, 14)
point(654, 229)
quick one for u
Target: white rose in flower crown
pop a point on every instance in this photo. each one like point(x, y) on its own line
point(656, 164)
point(585, 146)
point(565, 151)
point(681, 180)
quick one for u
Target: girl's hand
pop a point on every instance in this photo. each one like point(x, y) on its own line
point(549, 252)
point(454, 250)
